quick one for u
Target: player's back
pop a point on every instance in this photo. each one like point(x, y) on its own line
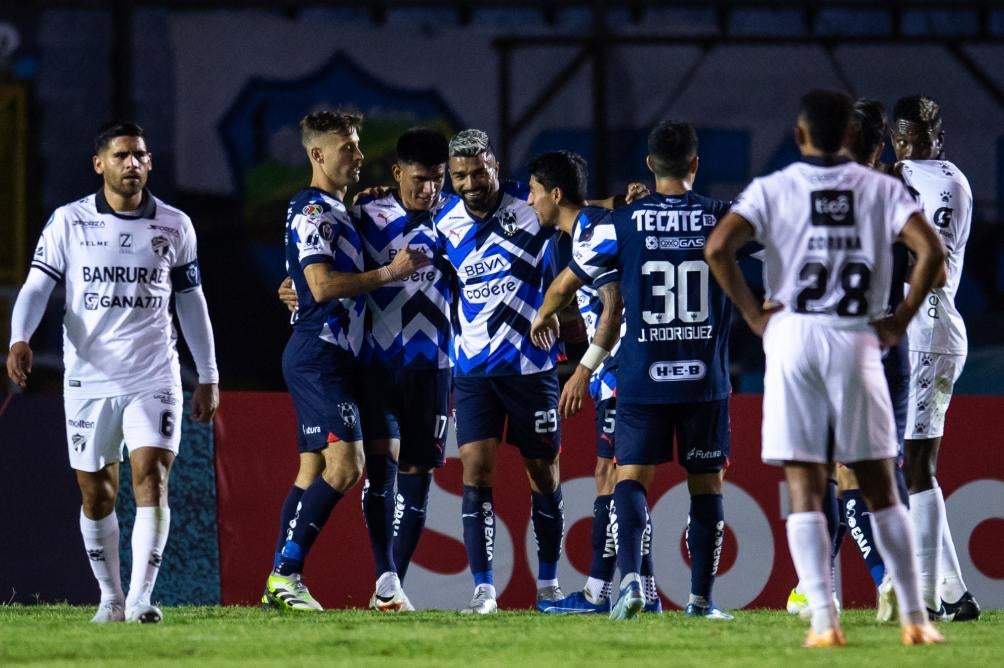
point(319, 229)
point(827, 230)
point(947, 199)
point(675, 347)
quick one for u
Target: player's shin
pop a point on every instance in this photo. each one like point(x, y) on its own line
point(705, 534)
point(632, 514)
point(149, 536)
point(101, 540)
point(548, 518)
point(809, 545)
point(409, 516)
point(313, 511)
point(927, 514)
point(286, 515)
point(859, 525)
point(478, 515)
point(894, 539)
point(378, 510)
point(604, 544)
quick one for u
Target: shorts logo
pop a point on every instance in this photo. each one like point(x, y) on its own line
point(924, 383)
point(308, 431)
point(921, 406)
point(926, 360)
point(79, 442)
point(165, 396)
point(832, 208)
point(347, 410)
point(91, 301)
point(313, 210)
point(920, 427)
point(160, 246)
point(507, 220)
point(694, 453)
point(662, 372)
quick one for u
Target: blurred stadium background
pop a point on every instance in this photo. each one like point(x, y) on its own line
point(219, 86)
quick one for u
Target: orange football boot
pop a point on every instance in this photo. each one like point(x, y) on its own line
point(832, 637)
point(921, 634)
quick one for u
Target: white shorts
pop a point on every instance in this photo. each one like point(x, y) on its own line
point(96, 429)
point(932, 377)
point(822, 381)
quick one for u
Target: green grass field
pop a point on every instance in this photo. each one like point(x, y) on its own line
point(61, 635)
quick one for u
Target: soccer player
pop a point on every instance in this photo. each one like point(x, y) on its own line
point(672, 369)
point(120, 253)
point(938, 348)
point(324, 259)
point(502, 257)
point(827, 225)
point(557, 193)
point(406, 378)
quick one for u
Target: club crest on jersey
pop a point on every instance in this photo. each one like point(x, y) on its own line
point(347, 410)
point(160, 245)
point(832, 208)
point(507, 219)
point(326, 230)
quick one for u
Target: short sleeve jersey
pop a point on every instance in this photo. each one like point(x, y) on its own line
point(948, 204)
point(407, 321)
point(603, 381)
point(503, 263)
point(319, 229)
point(119, 271)
point(675, 346)
point(827, 229)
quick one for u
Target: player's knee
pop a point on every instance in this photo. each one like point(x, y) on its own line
point(605, 475)
point(705, 483)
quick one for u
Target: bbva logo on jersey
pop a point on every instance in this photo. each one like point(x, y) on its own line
point(832, 208)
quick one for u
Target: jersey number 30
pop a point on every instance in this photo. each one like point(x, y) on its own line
point(674, 289)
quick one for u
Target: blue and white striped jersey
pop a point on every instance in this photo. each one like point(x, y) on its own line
point(675, 348)
point(407, 321)
point(603, 382)
point(504, 264)
point(319, 229)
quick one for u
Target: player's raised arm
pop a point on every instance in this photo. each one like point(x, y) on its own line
point(929, 265)
point(544, 330)
point(730, 234)
point(608, 331)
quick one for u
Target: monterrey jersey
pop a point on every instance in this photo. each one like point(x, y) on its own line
point(503, 264)
point(408, 321)
point(948, 203)
point(119, 271)
point(828, 231)
point(603, 381)
point(675, 347)
point(319, 229)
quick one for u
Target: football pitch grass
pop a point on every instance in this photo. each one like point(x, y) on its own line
point(230, 636)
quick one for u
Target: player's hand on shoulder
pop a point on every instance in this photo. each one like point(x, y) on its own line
point(544, 331)
point(574, 392)
point(375, 192)
point(407, 261)
point(636, 191)
point(19, 363)
point(205, 401)
point(287, 294)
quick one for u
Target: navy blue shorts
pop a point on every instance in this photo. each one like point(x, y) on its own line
point(321, 379)
point(530, 403)
point(606, 422)
point(702, 429)
point(410, 405)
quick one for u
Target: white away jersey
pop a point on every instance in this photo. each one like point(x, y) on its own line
point(504, 264)
point(948, 203)
point(407, 321)
point(827, 231)
point(119, 272)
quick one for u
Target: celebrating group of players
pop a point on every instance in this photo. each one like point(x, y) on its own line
point(412, 296)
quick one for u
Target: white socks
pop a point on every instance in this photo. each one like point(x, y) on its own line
point(101, 540)
point(809, 545)
point(894, 540)
point(927, 514)
point(149, 535)
point(596, 589)
point(951, 588)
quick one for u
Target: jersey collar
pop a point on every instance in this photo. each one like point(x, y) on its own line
point(825, 160)
point(147, 207)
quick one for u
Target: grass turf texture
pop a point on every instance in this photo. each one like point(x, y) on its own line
point(211, 636)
